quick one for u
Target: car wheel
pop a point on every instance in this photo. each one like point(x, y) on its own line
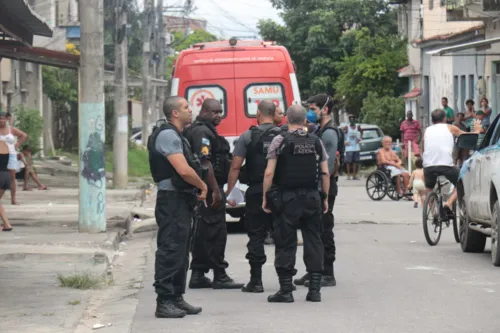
point(471, 241)
point(495, 234)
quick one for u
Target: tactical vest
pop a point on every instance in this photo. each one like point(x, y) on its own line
point(256, 159)
point(298, 163)
point(160, 167)
point(221, 153)
point(340, 145)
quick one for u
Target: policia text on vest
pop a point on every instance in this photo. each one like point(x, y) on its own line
point(297, 164)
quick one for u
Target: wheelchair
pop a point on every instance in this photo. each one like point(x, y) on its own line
point(380, 184)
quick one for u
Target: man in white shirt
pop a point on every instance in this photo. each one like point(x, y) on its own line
point(439, 141)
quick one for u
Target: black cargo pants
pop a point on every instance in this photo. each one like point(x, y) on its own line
point(210, 237)
point(301, 209)
point(328, 236)
point(173, 213)
point(257, 225)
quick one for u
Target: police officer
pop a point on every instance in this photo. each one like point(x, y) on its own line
point(177, 174)
point(297, 162)
point(320, 111)
point(211, 232)
point(252, 147)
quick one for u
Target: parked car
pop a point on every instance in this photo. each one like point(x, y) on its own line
point(478, 196)
point(371, 142)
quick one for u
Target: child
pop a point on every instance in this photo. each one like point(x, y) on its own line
point(26, 169)
point(417, 182)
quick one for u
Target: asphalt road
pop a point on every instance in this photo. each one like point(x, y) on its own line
point(388, 280)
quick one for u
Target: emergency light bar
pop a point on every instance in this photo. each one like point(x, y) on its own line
point(232, 42)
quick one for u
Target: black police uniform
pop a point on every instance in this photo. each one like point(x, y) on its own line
point(210, 237)
point(173, 213)
point(327, 236)
point(257, 222)
point(298, 203)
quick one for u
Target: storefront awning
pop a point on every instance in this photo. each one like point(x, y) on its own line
point(20, 23)
point(37, 55)
point(478, 46)
point(415, 92)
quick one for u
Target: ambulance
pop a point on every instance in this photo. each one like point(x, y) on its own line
point(240, 74)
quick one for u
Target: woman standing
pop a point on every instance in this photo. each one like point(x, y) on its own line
point(487, 111)
point(4, 182)
point(8, 135)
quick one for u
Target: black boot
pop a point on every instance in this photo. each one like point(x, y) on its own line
point(284, 295)
point(188, 308)
point(328, 279)
point(314, 294)
point(302, 280)
point(223, 281)
point(168, 309)
point(255, 284)
point(199, 280)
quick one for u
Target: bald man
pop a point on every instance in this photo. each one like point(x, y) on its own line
point(389, 160)
point(210, 237)
point(296, 168)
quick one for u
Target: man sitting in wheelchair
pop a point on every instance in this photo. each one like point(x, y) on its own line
point(387, 159)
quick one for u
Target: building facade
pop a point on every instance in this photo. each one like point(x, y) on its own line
point(431, 78)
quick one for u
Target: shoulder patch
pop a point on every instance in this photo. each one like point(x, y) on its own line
point(204, 151)
point(205, 142)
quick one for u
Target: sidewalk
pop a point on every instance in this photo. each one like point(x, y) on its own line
point(45, 243)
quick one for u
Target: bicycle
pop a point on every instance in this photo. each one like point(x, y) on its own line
point(433, 200)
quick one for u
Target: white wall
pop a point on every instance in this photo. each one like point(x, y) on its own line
point(441, 81)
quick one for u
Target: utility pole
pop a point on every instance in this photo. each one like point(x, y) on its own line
point(161, 55)
point(146, 74)
point(120, 142)
point(91, 125)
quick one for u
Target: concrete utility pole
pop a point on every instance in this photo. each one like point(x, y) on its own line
point(161, 54)
point(120, 142)
point(146, 60)
point(91, 136)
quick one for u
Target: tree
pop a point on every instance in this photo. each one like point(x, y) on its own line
point(181, 43)
point(313, 30)
point(371, 68)
point(387, 112)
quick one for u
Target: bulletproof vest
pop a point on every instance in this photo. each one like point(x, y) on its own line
point(299, 161)
point(160, 167)
point(256, 159)
point(221, 153)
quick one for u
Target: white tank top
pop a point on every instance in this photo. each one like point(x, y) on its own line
point(438, 146)
point(10, 140)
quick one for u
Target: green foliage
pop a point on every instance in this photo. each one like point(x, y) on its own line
point(385, 111)
point(61, 86)
point(31, 122)
point(372, 67)
point(181, 43)
point(313, 31)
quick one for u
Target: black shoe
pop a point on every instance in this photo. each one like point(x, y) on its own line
point(254, 286)
point(314, 294)
point(223, 281)
point(199, 280)
point(302, 280)
point(188, 308)
point(168, 309)
point(284, 295)
point(281, 297)
point(326, 281)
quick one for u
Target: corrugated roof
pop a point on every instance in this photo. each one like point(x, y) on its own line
point(17, 15)
point(415, 92)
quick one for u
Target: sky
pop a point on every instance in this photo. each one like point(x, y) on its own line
point(232, 18)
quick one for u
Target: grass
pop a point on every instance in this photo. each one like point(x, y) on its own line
point(75, 302)
point(82, 281)
point(138, 161)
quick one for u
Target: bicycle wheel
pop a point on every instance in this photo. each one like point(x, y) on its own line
point(455, 225)
point(431, 211)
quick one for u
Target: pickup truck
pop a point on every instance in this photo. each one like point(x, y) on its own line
point(478, 196)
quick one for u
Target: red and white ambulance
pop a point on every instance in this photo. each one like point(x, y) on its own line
point(239, 74)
